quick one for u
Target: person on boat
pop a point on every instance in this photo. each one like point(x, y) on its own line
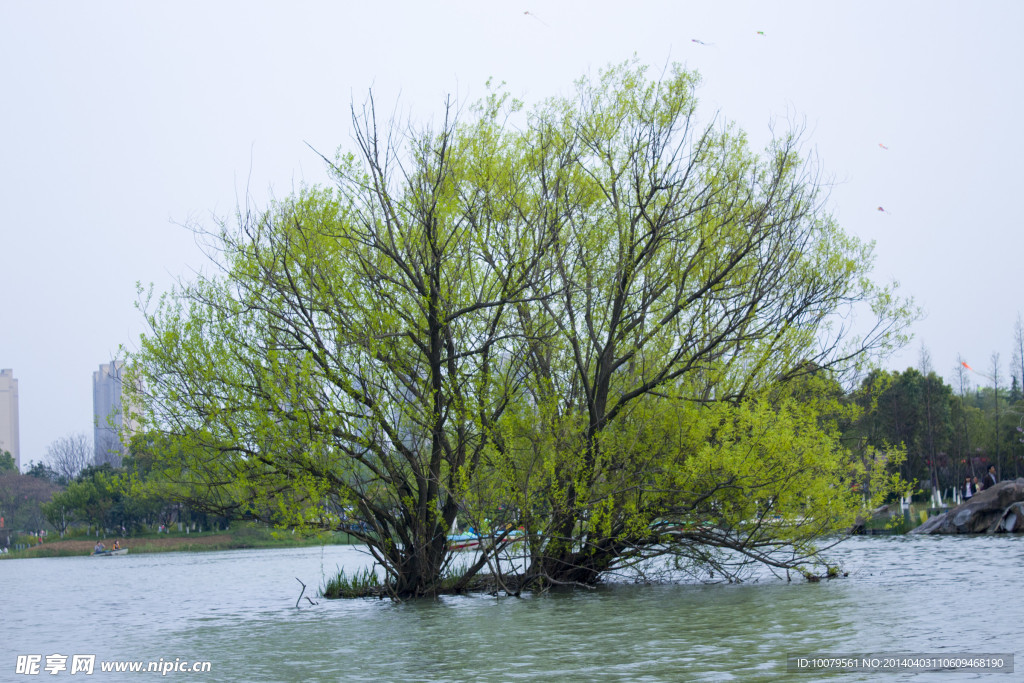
point(99, 548)
point(117, 545)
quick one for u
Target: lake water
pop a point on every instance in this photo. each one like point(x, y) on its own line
point(236, 610)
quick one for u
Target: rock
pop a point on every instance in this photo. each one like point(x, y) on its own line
point(860, 524)
point(1012, 520)
point(994, 510)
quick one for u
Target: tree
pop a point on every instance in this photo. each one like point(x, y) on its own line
point(89, 498)
point(69, 455)
point(7, 463)
point(1018, 357)
point(57, 512)
point(588, 322)
point(936, 399)
point(912, 410)
point(21, 498)
point(962, 435)
point(43, 471)
point(147, 496)
point(995, 411)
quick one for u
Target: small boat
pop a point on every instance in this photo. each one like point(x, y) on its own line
point(108, 553)
point(471, 540)
point(467, 541)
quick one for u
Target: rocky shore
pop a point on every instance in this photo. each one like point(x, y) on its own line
point(999, 509)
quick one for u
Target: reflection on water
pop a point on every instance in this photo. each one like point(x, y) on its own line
point(237, 610)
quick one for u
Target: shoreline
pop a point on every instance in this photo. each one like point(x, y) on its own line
point(195, 542)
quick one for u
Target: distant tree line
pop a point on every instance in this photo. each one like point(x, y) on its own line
point(21, 498)
point(948, 433)
point(69, 494)
point(944, 433)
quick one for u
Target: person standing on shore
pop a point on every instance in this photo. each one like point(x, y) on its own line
point(990, 478)
point(967, 490)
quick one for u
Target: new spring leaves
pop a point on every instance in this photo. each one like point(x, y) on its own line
point(548, 318)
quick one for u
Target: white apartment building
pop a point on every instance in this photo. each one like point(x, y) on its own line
point(9, 439)
point(108, 419)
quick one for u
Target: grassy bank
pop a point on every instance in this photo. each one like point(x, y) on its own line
point(237, 538)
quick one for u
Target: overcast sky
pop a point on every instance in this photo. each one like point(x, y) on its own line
point(122, 121)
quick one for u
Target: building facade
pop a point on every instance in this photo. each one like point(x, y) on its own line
point(108, 416)
point(9, 438)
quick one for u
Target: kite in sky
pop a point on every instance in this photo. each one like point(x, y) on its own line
point(760, 33)
point(528, 12)
point(700, 42)
point(882, 146)
point(989, 378)
point(882, 209)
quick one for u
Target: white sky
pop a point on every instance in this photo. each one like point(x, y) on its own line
point(119, 121)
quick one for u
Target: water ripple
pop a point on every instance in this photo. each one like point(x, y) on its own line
point(237, 610)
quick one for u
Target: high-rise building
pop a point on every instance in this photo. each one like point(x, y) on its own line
point(9, 440)
point(108, 416)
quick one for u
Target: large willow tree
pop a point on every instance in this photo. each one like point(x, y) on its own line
point(584, 320)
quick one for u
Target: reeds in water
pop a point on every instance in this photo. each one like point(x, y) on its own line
point(362, 583)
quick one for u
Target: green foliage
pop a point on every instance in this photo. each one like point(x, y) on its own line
point(43, 471)
point(946, 438)
point(105, 497)
point(689, 279)
point(912, 410)
point(21, 500)
point(603, 319)
point(90, 497)
point(7, 463)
